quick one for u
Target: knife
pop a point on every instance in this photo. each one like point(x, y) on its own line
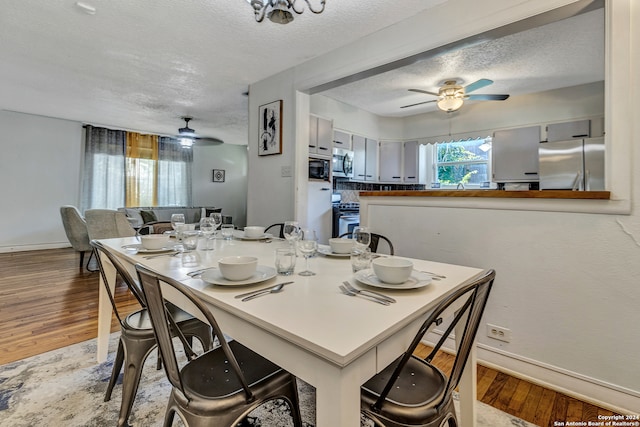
point(260, 290)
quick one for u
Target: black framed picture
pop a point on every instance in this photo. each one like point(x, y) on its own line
point(218, 175)
point(270, 132)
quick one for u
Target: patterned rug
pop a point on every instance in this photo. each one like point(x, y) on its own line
point(66, 387)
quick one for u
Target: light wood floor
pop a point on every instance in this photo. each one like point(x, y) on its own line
point(48, 302)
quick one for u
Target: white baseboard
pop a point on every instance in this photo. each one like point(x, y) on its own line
point(37, 247)
point(591, 390)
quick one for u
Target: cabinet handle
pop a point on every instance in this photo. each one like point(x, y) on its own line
point(322, 148)
point(411, 177)
point(531, 173)
point(312, 146)
point(338, 142)
point(395, 177)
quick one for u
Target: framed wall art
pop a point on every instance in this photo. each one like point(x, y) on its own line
point(218, 175)
point(270, 132)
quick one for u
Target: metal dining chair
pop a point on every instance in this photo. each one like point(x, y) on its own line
point(413, 392)
point(221, 386)
point(137, 339)
point(276, 227)
point(375, 240)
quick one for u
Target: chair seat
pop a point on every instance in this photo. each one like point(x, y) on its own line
point(414, 396)
point(209, 376)
point(139, 320)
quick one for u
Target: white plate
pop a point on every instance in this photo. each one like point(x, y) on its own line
point(239, 234)
point(416, 280)
point(138, 247)
point(262, 273)
point(327, 252)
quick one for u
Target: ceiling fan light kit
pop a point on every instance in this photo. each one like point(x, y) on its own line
point(187, 136)
point(279, 11)
point(452, 94)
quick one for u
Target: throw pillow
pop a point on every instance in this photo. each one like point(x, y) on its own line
point(148, 216)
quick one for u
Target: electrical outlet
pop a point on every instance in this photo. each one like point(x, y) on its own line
point(285, 171)
point(498, 332)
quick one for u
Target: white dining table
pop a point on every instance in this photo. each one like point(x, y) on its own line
point(330, 340)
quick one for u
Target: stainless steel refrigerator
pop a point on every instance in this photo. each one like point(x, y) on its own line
point(576, 164)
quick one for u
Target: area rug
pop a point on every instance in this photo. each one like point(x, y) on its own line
point(66, 387)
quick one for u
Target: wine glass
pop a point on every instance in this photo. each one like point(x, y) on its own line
point(308, 244)
point(217, 220)
point(207, 228)
point(177, 222)
point(291, 231)
point(362, 236)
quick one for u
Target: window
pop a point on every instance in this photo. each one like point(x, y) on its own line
point(130, 169)
point(462, 161)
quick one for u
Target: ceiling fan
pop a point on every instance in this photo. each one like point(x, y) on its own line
point(452, 95)
point(187, 136)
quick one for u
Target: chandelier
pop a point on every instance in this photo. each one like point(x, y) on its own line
point(279, 11)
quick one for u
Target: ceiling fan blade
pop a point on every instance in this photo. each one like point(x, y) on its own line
point(208, 141)
point(424, 91)
point(477, 85)
point(419, 103)
point(487, 97)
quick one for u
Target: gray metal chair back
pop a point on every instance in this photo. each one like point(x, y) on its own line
point(279, 227)
point(221, 386)
point(413, 392)
point(137, 339)
point(75, 227)
point(375, 241)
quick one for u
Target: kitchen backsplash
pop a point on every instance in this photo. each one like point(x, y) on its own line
point(350, 190)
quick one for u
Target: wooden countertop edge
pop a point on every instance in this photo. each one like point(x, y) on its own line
point(497, 194)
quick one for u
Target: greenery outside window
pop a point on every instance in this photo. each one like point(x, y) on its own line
point(463, 161)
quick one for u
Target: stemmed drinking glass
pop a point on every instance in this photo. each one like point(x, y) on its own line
point(291, 231)
point(177, 222)
point(216, 217)
point(207, 228)
point(362, 236)
point(308, 244)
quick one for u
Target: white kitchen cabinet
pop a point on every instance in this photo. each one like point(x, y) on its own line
point(341, 140)
point(515, 155)
point(365, 158)
point(319, 210)
point(578, 129)
point(390, 161)
point(411, 155)
point(320, 136)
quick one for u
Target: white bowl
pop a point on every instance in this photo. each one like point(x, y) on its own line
point(238, 267)
point(392, 270)
point(154, 241)
point(341, 246)
point(254, 231)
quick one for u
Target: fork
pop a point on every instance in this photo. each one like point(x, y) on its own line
point(352, 288)
point(369, 297)
point(161, 255)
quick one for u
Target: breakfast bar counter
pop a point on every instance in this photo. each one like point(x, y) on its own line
point(499, 194)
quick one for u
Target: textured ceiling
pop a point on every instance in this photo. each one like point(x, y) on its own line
point(143, 64)
point(561, 54)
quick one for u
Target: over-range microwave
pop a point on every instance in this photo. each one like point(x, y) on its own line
point(319, 169)
point(342, 161)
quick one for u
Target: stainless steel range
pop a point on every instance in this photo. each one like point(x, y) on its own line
point(346, 216)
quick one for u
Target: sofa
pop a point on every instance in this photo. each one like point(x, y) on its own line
point(159, 217)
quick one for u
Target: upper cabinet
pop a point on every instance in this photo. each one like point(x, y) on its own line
point(568, 130)
point(515, 155)
point(390, 161)
point(365, 158)
point(341, 140)
point(320, 136)
point(411, 155)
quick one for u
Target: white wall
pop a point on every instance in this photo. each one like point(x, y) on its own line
point(567, 283)
point(230, 195)
point(40, 168)
point(39, 171)
point(271, 197)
